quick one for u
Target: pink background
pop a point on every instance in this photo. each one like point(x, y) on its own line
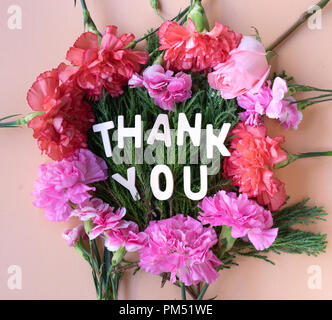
point(51, 270)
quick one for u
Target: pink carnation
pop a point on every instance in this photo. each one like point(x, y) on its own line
point(127, 236)
point(272, 102)
point(255, 105)
point(245, 70)
point(290, 116)
point(109, 224)
point(247, 219)
point(61, 183)
point(163, 87)
point(180, 245)
point(73, 235)
point(279, 91)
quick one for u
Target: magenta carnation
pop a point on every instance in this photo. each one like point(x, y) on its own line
point(273, 102)
point(247, 219)
point(180, 245)
point(126, 235)
point(163, 87)
point(255, 105)
point(109, 224)
point(61, 183)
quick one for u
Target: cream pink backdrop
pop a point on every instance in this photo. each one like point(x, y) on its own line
point(51, 270)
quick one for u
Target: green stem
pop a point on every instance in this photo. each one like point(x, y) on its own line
point(313, 98)
point(303, 18)
point(304, 88)
point(183, 291)
point(9, 124)
point(315, 154)
point(177, 18)
point(97, 255)
point(304, 105)
point(88, 22)
point(84, 7)
point(201, 295)
point(22, 121)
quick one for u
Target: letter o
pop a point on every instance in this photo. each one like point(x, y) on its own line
point(155, 185)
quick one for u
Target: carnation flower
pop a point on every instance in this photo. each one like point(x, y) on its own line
point(109, 65)
point(272, 102)
point(63, 183)
point(255, 105)
point(247, 219)
point(110, 225)
point(63, 127)
point(163, 87)
point(73, 235)
point(251, 118)
point(245, 70)
point(278, 93)
point(187, 49)
point(291, 115)
point(250, 166)
point(180, 245)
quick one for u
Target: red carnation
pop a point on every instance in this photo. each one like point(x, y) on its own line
point(250, 166)
point(109, 65)
point(187, 49)
point(63, 127)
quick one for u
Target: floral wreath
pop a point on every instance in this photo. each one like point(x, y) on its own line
point(193, 87)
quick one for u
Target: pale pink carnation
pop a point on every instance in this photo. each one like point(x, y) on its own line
point(247, 219)
point(291, 116)
point(110, 225)
point(245, 70)
point(73, 235)
point(61, 183)
point(279, 91)
point(163, 87)
point(180, 245)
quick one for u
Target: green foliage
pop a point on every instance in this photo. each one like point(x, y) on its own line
point(215, 111)
point(289, 240)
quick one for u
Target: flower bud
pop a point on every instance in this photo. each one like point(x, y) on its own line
point(198, 16)
point(159, 59)
point(78, 246)
point(88, 226)
point(226, 239)
point(118, 256)
point(154, 4)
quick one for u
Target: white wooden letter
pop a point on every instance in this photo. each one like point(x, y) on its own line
point(162, 120)
point(154, 182)
point(130, 183)
point(187, 183)
point(212, 140)
point(194, 132)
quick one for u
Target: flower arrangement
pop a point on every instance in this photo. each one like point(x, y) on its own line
point(191, 218)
